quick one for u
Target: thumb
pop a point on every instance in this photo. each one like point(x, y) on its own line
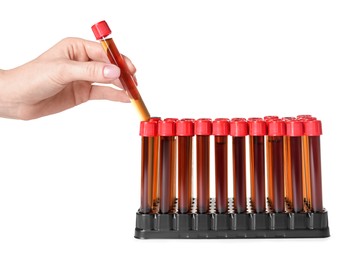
point(91, 71)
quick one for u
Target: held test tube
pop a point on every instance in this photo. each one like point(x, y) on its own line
point(101, 31)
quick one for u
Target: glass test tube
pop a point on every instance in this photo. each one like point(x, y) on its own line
point(184, 133)
point(306, 167)
point(101, 31)
point(313, 130)
point(275, 158)
point(220, 130)
point(269, 160)
point(288, 193)
point(257, 131)
point(203, 130)
point(148, 133)
point(295, 131)
point(166, 131)
point(155, 188)
point(239, 130)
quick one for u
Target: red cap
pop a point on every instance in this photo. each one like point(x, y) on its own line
point(288, 118)
point(101, 30)
point(238, 127)
point(270, 118)
point(257, 127)
point(148, 128)
point(294, 128)
point(220, 127)
point(313, 128)
point(254, 118)
point(155, 118)
point(166, 128)
point(185, 127)
point(276, 128)
point(203, 126)
point(171, 119)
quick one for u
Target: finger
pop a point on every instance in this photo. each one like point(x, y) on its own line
point(107, 93)
point(95, 51)
point(130, 65)
point(88, 71)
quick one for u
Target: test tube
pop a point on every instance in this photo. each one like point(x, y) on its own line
point(173, 163)
point(306, 164)
point(295, 131)
point(269, 161)
point(203, 130)
point(184, 133)
point(313, 130)
point(220, 130)
point(166, 131)
point(155, 188)
point(257, 131)
point(239, 130)
point(148, 133)
point(102, 32)
point(288, 193)
point(276, 130)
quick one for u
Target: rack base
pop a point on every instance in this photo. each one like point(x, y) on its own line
point(232, 225)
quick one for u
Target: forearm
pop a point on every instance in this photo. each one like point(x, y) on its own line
point(8, 108)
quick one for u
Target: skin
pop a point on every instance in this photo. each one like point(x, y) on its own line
point(59, 79)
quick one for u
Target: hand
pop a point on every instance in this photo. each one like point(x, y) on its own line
point(59, 79)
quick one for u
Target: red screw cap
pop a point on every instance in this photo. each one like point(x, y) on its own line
point(257, 127)
point(166, 128)
point(185, 127)
point(270, 118)
point(238, 127)
point(295, 128)
point(220, 127)
point(148, 128)
point(276, 128)
point(101, 30)
point(313, 128)
point(203, 126)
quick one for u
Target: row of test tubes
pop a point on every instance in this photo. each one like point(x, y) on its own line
point(283, 156)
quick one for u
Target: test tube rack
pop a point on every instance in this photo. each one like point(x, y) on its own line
point(285, 199)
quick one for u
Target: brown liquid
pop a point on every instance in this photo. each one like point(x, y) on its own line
point(126, 78)
point(288, 187)
point(155, 189)
point(306, 172)
point(269, 172)
point(165, 174)
point(257, 173)
point(173, 170)
point(184, 173)
point(277, 172)
point(147, 157)
point(221, 170)
point(239, 174)
point(296, 172)
point(203, 173)
point(315, 173)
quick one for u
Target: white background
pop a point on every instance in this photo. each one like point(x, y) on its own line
point(69, 183)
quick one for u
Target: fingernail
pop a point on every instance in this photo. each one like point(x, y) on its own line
point(111, 72)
